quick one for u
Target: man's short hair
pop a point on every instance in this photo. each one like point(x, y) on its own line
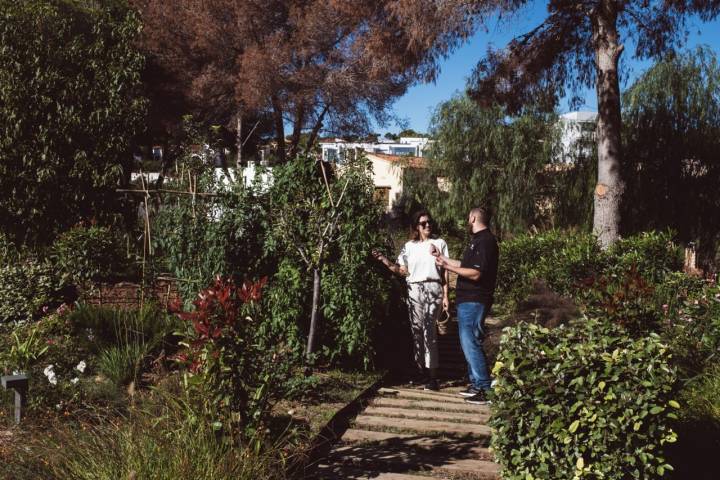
point(483, 214)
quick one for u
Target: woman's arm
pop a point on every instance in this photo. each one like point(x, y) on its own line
point(442, 248)
point(393, 267)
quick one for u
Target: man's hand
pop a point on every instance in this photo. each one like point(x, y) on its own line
point(376, 254)
point(440, 261)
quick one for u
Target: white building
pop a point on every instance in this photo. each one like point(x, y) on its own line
point(257, 176)
point(577, 129)
point(334, 149)
point(387, 175)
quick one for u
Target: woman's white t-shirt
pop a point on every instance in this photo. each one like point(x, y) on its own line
point(416, 257)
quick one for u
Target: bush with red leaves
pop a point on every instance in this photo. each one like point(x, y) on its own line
point(236, 366)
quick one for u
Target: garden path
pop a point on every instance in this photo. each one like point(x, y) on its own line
point(406, 434)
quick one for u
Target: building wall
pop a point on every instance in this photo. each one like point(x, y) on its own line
point(576, 129)
point(414, 146)
point(387, 174)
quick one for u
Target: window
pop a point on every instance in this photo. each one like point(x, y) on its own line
point(403, 150)
point(381, 195)
point(330, 155)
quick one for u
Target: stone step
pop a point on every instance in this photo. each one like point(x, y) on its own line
point(406, 433)
point(449, 341)
point(411, 462)
point(428, 395)
point(450, 445)
point(477, 417)
point(447, 349)
point(431, 405)
point(338, 472)
point(420, 394)
point(421, 426)
point(451, 356)
point(452, 364)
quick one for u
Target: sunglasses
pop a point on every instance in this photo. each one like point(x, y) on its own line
point(425, 224)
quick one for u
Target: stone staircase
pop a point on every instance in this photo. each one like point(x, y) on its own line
point(452, 360)
point(406, 434)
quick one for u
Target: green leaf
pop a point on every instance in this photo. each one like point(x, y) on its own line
point(574, 426)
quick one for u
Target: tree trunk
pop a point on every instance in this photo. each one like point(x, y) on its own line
point(297, 131)
point(279, 129)
point(316, 130)
point(609, 189)
point(239, 141)
point(314, 315)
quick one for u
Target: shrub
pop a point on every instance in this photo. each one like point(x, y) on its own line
point(571, 262)
point(702, 397)
point(122, 338)
point(163, 440)
point(561, 259)
point(653, 254)
point(87, 254)
point(114, 326)
point(238, 363)
point(29, 287)
point(27, 348)
point(196, 238)
point(693, 330)
point(64, 158)
point(329, 228)
point(582, 401)
point(122, 364)
point(626, 299)
point(285, 301)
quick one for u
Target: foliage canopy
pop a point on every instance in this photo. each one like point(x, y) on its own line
point(484, 157)
point(311, 65)
point(70, 106)
point(671, 120)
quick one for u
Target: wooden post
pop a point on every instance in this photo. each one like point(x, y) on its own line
point(18, 383)
point(314, 315)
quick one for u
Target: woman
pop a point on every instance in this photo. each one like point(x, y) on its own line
point(427, 291)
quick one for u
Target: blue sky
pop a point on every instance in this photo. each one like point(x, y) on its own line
point(417, 104)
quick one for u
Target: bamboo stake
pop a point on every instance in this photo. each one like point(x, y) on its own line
point(327, 185)
point(164, 190)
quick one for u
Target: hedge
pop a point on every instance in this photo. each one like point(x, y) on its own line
point(582, 401)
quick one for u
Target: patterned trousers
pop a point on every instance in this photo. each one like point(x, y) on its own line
point(424, 307)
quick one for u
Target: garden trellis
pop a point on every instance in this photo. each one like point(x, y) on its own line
point(147, 192)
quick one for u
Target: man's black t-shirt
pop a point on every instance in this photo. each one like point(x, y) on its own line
point(482, 255)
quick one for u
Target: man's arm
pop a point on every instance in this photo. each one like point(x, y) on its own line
point(454, 265)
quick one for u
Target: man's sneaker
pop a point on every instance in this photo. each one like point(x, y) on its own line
point(479, 398)
point(432, 384)
point(469, 392)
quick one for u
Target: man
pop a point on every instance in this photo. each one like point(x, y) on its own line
point(477, 273)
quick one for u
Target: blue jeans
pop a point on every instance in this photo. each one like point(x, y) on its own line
point(471, 321)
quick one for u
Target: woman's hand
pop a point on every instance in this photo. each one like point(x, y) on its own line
point(446, 303)
point(377, 254)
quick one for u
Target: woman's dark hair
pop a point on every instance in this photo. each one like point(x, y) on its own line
point(414, 235)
